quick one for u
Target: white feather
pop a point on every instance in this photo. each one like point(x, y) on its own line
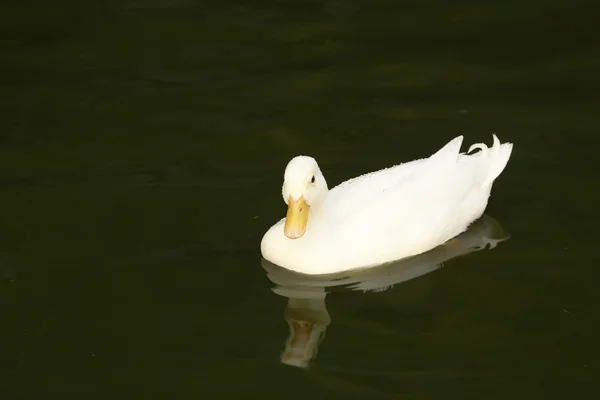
point(386, 215)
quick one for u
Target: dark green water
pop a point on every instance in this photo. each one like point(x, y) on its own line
point(142, 147)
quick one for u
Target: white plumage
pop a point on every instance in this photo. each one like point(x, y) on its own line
point(386, 215)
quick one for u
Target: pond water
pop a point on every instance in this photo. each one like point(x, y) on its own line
point(142, 149)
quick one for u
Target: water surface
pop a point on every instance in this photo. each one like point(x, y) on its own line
point(142, 147)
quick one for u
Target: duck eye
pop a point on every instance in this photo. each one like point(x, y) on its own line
point(313, 179)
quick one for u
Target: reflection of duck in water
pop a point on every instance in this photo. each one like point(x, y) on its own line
point(307, 318)
point(306, 312)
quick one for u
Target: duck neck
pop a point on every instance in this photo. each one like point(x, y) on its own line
point(317, 208)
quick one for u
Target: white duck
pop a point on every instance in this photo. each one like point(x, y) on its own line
point(382, 216)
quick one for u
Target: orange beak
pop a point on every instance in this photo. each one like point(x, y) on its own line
point(296, 218)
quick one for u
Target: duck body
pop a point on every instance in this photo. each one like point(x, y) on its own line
point(386, 215)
